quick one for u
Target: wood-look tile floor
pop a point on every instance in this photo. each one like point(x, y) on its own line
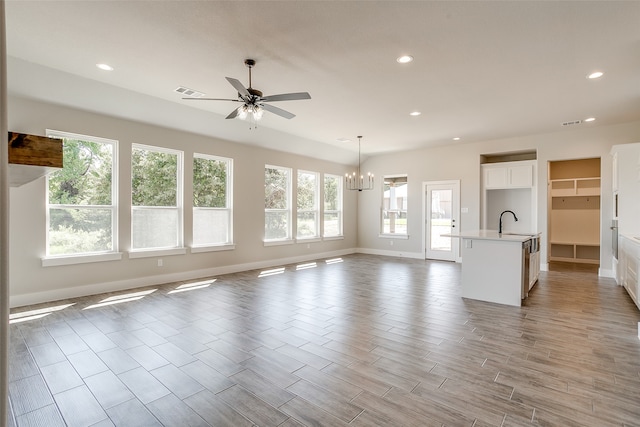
point(365, 341)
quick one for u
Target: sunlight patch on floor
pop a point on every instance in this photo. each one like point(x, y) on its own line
point(192, 286)
point(25, 316)
point(272, 272)
point(306, 266)
point(119, 299)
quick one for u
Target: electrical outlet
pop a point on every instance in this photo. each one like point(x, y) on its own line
point(160, 263)
point(390, 242)
point(308, 245)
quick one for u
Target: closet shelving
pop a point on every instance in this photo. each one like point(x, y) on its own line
point(574, 212)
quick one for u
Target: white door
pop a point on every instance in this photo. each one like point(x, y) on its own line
point(442, 213)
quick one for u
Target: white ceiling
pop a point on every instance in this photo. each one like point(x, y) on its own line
point(482, 70)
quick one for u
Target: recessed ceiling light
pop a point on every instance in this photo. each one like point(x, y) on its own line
point(456, 138)
point(404, 59)
point(590, 119)
point(105, 67)
point(415, 113)
point(595, 75)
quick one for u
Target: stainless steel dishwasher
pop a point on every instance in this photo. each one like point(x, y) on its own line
point(526, 261)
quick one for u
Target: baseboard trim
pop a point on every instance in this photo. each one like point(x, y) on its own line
point(138, 282)
point(606, 273)
point(400, 254)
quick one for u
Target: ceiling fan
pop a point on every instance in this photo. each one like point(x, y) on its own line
point(253, 102)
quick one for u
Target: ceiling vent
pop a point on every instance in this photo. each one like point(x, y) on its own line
point(571, 123)
point(188, 92)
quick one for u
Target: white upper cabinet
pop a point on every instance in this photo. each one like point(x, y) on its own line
point(508, 175)
point(626, 177)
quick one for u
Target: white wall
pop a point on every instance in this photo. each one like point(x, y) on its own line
point(32, 283)
point(462, 161)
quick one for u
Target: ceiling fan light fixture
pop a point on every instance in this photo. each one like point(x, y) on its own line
point(251, 112)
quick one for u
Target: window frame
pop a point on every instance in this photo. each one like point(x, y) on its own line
point(339, 202)
point(288, 239)
point(228, 203)
point(384, 209)
point(85, 257)
point(316, 206)
point(168, 250)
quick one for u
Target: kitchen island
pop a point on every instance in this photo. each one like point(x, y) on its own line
point(496, 267)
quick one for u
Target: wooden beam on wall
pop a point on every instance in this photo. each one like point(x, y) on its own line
point(34, 150)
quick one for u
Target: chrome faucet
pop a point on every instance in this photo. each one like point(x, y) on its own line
point(504, 212)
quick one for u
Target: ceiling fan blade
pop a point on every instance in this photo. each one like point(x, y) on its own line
point(287, 97)
point(213, 99)
point(279, 111)
point(238, 86)
point(234, 113)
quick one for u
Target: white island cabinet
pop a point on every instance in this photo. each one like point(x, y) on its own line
point(496, 268)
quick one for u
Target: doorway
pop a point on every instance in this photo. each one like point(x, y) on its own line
point(574, 211)
point(441, 213)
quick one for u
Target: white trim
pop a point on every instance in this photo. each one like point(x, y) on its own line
point(98, 288)
point(393, 236)
point(113, 207)
point(212, 248)
point(606, 273)
point(279, 242)
point(53, 261)
point(327, 238)
point(308, 239)
point(228, 196)
point(179, 207)
point(150, 253)
point(455, 213)
point(400, 254)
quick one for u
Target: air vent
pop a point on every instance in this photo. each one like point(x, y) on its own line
point(574, 122)
point(188, 92)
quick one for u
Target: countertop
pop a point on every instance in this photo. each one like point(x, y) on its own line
point(634, 239)
point(493, 235)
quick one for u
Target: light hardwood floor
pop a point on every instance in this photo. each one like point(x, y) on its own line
point(364, 341)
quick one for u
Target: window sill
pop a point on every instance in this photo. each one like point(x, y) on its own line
point(150, 253)
point(394, 236)
point(278, 242)
point(54, 261)
point(212, 248)
point(308, 240)
point(333, 237)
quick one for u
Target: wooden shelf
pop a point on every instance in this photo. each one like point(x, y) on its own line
point(575, 187)
point(588, 253)
point(32, 157)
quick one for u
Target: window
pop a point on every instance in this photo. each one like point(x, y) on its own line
point(308, 205)
point(332, 206)
point(394, 205)
point(277, 203)
point(156, 198)
point(212, 215)
point(81, 197)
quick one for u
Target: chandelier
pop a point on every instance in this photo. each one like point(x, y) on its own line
point(357, 181)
